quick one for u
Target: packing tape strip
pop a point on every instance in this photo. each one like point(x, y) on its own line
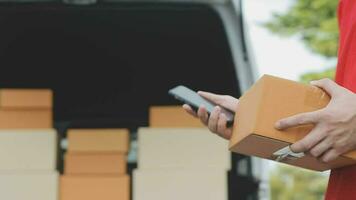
point(286, 153)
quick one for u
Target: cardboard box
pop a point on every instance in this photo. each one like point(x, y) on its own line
point(29, 186)
point(269, 100)
point(26, 98)
point(26, 119)
point(189, 148)
point(98, 140)
point(28, 150)
point(180, 184)
point(171, 116)
point(95, 163)
point(94, 187)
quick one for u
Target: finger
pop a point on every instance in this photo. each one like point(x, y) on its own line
point(330, 155)
point(221, 125)
point(321, 148)
point(222, 129)
point(230, 103)
point(203, 115)
point(189, 110)
point(297, 120)
point(225, 101)
point(328, 85)
point(216, 98)
point(309, 141)
point(213, 120)
point(228, 134)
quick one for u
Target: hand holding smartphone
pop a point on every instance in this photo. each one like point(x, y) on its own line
point(192, 98)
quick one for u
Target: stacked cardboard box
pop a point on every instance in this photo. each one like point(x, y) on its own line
point(178, 184)
point(95, 165)
point(179, 162)
point(171, 116)
point(28, 146)
point(25, 108)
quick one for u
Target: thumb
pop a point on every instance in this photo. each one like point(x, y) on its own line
point(328, 85)
point(224, 101)
point(215, 98)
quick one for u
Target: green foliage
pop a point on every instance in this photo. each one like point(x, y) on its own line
point(295, 184)
point(307, 77)
point(314, 21)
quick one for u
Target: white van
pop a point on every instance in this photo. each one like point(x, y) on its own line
point(109, 60)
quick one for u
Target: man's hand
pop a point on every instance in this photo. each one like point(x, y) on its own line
point(217, 120)
point(334, 132)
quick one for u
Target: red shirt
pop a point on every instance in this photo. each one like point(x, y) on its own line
point(342, 182)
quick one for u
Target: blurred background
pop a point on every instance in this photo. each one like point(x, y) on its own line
point(298, 40)
point(110, 62)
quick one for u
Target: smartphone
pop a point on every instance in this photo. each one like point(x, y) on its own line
point(192, 98)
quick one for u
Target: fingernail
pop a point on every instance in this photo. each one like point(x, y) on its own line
point(312, 82)
point(277, 125)
point(217, 108)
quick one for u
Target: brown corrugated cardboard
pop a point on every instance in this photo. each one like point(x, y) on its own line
point(161, 184)
point(26, 98)
point(26, 119)
point(94, 187)
point(171, 116)
point(28, 150)
point(269, 100)
point(95, 163)
point(98, 140)
point(29, 186)
point(177, 148)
